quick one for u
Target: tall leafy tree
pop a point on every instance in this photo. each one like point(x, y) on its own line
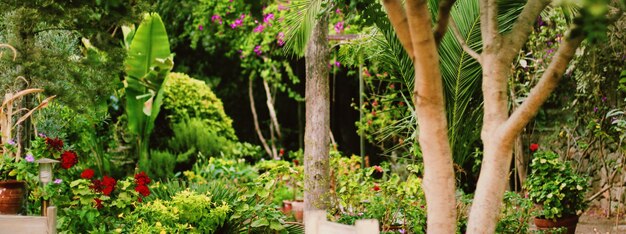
point(413, 25)
point(310, 36)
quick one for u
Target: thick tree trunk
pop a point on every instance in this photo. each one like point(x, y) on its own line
point(500, 130)
point(438, 183)
point(317, 125)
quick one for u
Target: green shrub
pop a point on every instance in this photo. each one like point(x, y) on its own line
point(187, 212)
point(161, 165)
point(196, 134)
point(553, 185)
point(187, 98)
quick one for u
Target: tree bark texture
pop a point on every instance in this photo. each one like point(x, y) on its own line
point(499, 134)
point(317, 125)
point(420, 43)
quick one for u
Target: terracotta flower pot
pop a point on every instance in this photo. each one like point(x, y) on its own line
point(298, 210)
point(568, 222)
point(11, 196)
point(286, 209)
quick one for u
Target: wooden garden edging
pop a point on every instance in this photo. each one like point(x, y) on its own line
point(315, 223)
point(17, 224)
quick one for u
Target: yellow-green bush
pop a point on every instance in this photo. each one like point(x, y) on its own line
point(187, 98)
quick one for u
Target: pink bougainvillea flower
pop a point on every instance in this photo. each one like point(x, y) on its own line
point(259, 28)
point(534, 147)
point(282, 8)
point(268, 17)
point(216, 18)
point(337, 63)
point(257, 50)
point(281, 38)
point(200, 27)
point(339, 27)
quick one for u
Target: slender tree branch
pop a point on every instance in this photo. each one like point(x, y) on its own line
point(489, 23)
point(254, 116)
point(270, 107)
point(459, 38)
point(523, 27)
point(540, 93)
point(443, 16)
point(399, 21)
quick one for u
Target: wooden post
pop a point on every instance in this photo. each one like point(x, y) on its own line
point(52, 220)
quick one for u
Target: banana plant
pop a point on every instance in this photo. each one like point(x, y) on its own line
point(147, 66)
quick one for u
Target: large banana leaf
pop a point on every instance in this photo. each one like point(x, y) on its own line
point(149, 44)
point(147, 65)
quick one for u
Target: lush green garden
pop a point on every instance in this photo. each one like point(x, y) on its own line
point(235, 116)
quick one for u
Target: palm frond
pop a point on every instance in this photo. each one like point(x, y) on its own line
point(299, 22)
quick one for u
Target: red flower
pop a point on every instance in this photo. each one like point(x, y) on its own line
point(534, 147)
point(56, 143)
point(139, 199)
point(142, 179)
point(296, 162)
point(108, 185)
point(375, 103)
point(68, 159)
point(87, 174)
point(143, 190)
point(98, 203)
point(376, 187)
point(96, 185)
point(378, 168)
point(281, 152)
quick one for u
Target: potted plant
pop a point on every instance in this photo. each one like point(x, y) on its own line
point(558, 192)
point(14, 172)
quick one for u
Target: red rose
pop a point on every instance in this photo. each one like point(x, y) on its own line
point(108, 185)
point(96, 185)
point(143, 190)
point(98, 203)
point(142, 179)
point(56, 143)
point(68, 159)
point(87, 174)
point(534, 147)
